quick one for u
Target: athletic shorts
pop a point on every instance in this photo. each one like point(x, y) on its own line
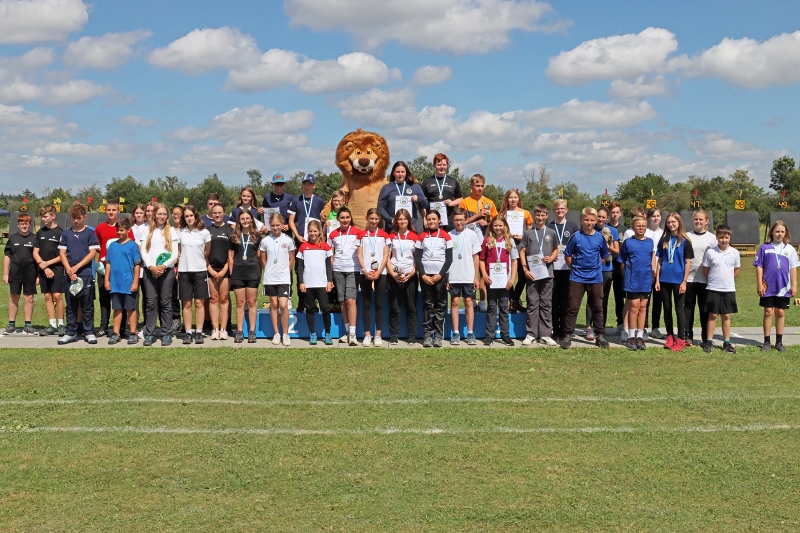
point(778, 302)
point(52, 285)
point(637, 295)
point(244, 283)
point(346, 285)
point(721, 303)
point(27, 288)
point(123, 301)
point(193, 285)
point(280, 291)
point(467, 290)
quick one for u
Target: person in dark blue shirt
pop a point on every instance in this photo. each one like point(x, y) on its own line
point(637, 264)
point(584, 255)
point(278, 200)
point(402, 184)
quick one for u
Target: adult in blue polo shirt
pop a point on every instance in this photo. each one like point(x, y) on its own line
point(611, 236)
point(584, 254)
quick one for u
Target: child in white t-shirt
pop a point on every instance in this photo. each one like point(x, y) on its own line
point(463, 278)
point(276, 252)
point(721, 266)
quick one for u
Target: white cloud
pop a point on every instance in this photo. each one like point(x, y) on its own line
point(620, 57)
point(33, 59)
point(747, 62)
point(641, 87)
point(202, 50)
point(19, 126)
point(349, 72)
point(74, 92)
point(33, 21)
point(112, 150)
point(471, 166)
point(452, 26)
point(140, 122)
point(254, 124)
point(18, 91)
point(715, 145)
point(430, 75)
point(575, 114)
point(105, 53)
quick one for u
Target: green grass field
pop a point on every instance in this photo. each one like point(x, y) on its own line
point(750, 314)
point(402, 440)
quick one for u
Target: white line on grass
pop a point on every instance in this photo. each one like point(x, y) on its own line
point(398, 431)
point(404, 401)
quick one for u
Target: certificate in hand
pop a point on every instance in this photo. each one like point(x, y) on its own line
point(516, 222)
point(442, 209)
point(333, 226)
point(499, 275)
point(402, 202)
point(538, 267)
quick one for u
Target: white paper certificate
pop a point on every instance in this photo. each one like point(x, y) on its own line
point(402, 202)
point(499, 275)
point(442, 209)
point(476, 228)
point(516, 222)
point(538, 267)
point(333, 226)
point(268, 212)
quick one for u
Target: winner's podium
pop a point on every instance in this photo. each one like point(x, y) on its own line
point(298, 329)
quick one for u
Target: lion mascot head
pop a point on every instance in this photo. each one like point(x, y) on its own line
point(363, 158)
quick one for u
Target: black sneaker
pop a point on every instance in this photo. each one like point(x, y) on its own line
point(708, 346)
point(765, 347)
point(728, 347)
point(640, 345)
point(566, 342)
point(780, 347)
point(239, 337)
point(601, 342)
point(631, 344)
point(198, 337)
point(113, 339)
point(133, 338)
point(487, 341)
point(393, 340)
point(188, 338)
point(100, 333)
point(507, 341)
point(412, 340)
point(251, 338)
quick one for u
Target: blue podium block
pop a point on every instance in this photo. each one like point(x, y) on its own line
point(298, 328)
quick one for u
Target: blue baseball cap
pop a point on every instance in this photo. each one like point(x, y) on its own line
point(310, 177)
point(278, 177)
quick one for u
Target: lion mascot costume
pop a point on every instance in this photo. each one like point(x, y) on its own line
point(363, 158)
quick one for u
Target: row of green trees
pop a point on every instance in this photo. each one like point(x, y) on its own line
point(717, 194)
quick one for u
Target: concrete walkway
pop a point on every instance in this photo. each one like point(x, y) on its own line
point(739, 337)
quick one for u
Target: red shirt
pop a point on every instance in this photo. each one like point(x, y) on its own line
point(107, 233)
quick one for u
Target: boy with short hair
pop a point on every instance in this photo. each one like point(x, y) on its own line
point(564, 231)
point(584, 255)
point(478, 209)
point(107, 233)
point(463, 275)
point(278, 200)
point(721, 267)
point(211, 200)
point(538, 250)
point(78, 248)
point(51, 271)
point(123, 264)
point(19, 273)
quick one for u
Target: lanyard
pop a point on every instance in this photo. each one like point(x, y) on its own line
point(673, 243)
point(373, 241)
point(310, 204)
point(400, 190)
point(461, 242)
point(276, 242)
point(344, 239)
point(401, 245)
point(498, 250)
point(778, 254)
point(245, 245)
point(536, 234)
point(430, 236)
point(440, 187)
point(560, 234)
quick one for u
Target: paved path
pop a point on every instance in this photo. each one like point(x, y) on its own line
point(739, 337)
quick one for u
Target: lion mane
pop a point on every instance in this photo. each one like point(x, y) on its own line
point(363, 158)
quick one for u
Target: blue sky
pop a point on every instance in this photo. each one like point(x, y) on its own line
point(597, 91)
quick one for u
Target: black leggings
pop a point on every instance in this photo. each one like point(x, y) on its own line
point(668, 292)
point(318, 294)
point(366, 302)
point(696, 293)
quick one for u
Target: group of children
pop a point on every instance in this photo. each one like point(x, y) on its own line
point(467, 248)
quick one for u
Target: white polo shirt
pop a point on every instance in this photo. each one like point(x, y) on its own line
point(193, 249)
point(721, 266)
point(465, 244)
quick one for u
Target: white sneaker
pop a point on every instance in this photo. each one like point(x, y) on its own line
point(644, 335)
point(548, 341)
point(91, 339)
point(377, 341)
point(623, 336)
point(286, 340)
point(276, 339)
point(352, 341)
point(528, 340)
point(344, 338)
point(367, 340)
point(590, 334)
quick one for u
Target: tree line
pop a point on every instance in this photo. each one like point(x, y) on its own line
point(717, 194)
